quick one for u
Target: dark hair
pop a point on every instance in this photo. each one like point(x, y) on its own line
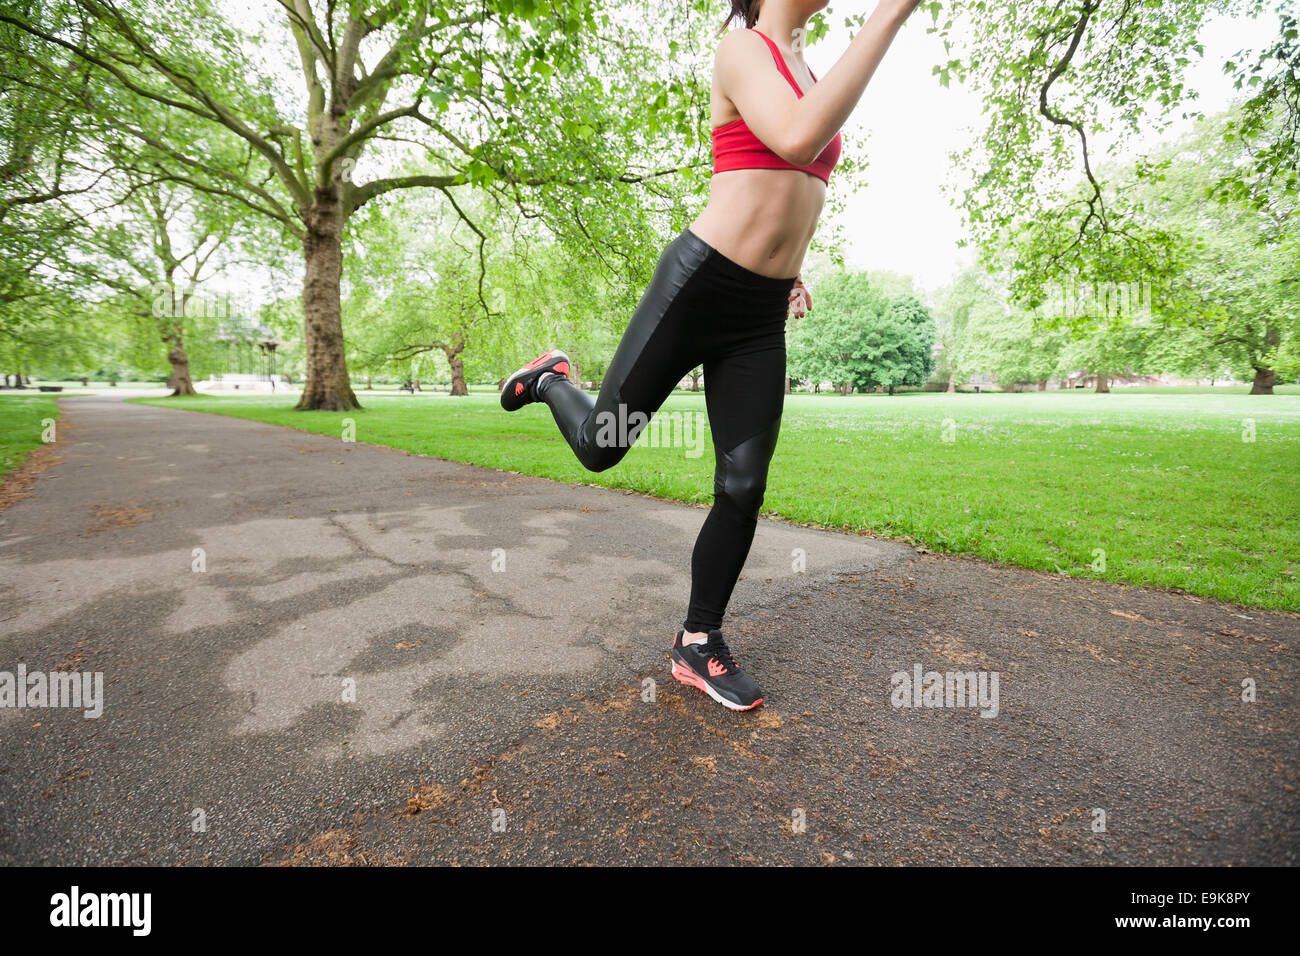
point(746, 10)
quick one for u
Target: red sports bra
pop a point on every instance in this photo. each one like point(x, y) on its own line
point(736, 147)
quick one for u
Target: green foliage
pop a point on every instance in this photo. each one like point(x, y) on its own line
point(961, 311)
point(1006, 344)
point(416, 300)
point(856, 336)
point(1064, 85)
point(1269, 120)
point(1236, 280)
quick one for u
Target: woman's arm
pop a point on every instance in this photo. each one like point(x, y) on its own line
point(796, 129)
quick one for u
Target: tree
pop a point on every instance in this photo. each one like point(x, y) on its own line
point(1055, 80)
point(1107, 353)
point(414, 292)
point(162, 246)
point(58, 333)
point(963, 306)
point(1011, 346)
point(1237, 274)
point(1269, 121)
point(918, 344)
point(39, 164)
point(854, 336)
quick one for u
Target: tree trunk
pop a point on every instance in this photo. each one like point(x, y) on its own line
point(1103, 382)
point(1264, 380)
point(787, 384)
point(1264, 377)
point(327, 387)
point(1042, 384)
point(458, 387)
point(180, 382)
point(695, 379)
point(575, 369)
point(952, 382)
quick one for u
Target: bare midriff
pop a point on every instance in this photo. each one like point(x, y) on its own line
point(763, 219)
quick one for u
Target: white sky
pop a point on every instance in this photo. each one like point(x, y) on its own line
point(907, 124)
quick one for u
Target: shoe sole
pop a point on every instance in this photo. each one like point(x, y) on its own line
point(688, 676)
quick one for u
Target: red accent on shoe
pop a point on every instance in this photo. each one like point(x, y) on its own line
point(562, 368)
point(687, 676)
point(716, 669)
point(540, 359)
point(519, 388)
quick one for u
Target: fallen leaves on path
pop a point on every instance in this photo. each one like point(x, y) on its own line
point(111, 517)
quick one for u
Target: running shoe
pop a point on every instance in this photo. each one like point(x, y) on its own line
point(521, 388)
point(710, 667)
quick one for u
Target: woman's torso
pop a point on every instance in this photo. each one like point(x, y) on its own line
point(763, 219)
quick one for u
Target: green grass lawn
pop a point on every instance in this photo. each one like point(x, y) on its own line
point(94, 387)
point(1163, 484)
point(21, 414)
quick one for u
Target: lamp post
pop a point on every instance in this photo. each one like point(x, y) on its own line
point(267, 343)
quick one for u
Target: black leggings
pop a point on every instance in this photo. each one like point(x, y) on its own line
point(701, 308)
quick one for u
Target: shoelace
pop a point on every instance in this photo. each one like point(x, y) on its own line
point(719, 651)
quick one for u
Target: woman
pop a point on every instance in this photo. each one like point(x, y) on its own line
point(720, 297)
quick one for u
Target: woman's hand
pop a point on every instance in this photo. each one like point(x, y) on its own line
point(800, 299)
